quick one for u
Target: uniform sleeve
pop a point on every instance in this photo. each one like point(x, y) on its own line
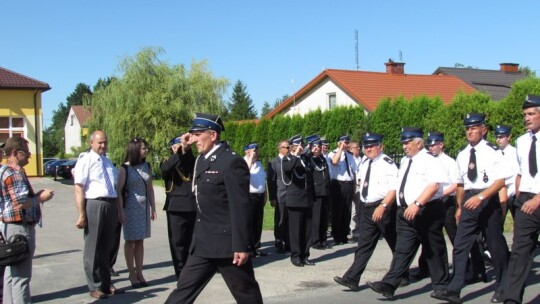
point(237, 187)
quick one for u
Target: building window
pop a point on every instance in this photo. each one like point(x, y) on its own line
point(11, 126)
point(331, 101)
point(71, 120)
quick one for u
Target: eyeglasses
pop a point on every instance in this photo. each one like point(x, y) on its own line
point(24, 151)
point(285, 147)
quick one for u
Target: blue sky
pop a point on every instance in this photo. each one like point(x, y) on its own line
point(273, 47)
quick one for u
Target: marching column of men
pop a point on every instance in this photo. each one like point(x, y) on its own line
point(407, 206)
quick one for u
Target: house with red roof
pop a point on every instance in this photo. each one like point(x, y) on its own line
point(333, 88)
point(75, 128)
point(21, 114)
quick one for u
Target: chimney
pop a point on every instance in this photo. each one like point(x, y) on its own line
point(509, 67)
point(395, 67)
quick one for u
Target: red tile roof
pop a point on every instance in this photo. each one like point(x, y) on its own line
point(369, 88)
point(82, 113)
point(12, 80)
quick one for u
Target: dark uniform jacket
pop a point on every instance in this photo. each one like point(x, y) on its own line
point(276, 187)
point(177, 171)
point(321, 176)
point(223, 224)
point(299, 171)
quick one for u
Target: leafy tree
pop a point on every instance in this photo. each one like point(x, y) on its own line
point(153, 100)
point(527, 71)
point(241, 106)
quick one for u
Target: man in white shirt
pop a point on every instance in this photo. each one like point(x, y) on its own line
point(343, 169)
point(95, 181)
point(503, 135)
point(527, 204)
point(257, 193)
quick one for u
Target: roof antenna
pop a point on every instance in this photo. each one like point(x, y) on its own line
point(400, 56)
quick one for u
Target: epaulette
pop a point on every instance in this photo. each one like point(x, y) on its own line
point(389, 160)
point(494, 146)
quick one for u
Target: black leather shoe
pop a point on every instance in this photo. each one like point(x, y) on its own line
point(308, 262)
point(419, 276)
point(297, 263)
point(352, 285)
point(386, 290)
point(479, 277)
point(497, 297)
point(319, 246)
point(445, 295)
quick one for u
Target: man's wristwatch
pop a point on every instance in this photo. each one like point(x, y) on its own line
point(417, 203)
point(384, 205)
point(481, 197)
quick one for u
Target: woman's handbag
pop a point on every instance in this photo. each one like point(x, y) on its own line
point(14, 250)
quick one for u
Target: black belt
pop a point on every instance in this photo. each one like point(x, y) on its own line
point(373, 204)
point(105, 199)
point(257, 194)
point(345, 182)
point(22, 223)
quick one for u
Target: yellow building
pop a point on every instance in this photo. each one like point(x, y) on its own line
point(21, 114)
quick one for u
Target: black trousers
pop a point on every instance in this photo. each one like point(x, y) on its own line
point(341, 209)
point(180, 225)
point(369, 237)
point(300, 232)
point(319, 220)
point(425, 229)
point(198, 271)
point(281, 225)
point(116, 246)
point(257, 203)
point(485, 219)
point(526, 230)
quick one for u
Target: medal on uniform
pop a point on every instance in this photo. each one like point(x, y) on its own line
point(486, 179)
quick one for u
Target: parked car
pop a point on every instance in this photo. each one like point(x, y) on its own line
point(64, 169)
point(48, 159)
point(50, 167)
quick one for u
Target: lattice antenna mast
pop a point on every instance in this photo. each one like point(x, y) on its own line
point(356, 49)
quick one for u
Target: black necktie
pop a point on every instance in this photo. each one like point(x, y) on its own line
point(347, 164)
point(533, 166)
point(366, 181)
point(402, 201)
point(472, 172)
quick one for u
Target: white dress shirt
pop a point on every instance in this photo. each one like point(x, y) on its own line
point(523, 144)
point(89, 173)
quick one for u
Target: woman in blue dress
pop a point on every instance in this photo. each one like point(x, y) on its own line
point(135, 185)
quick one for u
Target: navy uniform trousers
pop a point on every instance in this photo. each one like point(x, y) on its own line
point(485, 219)
point(239, 279)
point(526, 230)
point(369, 237)
point(425, 229)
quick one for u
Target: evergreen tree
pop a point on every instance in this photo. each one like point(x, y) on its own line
point(241, 106)
point(265, 109)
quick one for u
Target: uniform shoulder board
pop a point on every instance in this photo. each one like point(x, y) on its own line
point(388, 160)
point(494, 146)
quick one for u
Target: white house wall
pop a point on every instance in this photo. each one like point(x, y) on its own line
point(72, 132)
point(317, 98)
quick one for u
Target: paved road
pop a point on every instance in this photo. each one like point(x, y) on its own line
point(58, 273)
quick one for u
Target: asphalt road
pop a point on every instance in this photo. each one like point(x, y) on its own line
point(58, 272)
